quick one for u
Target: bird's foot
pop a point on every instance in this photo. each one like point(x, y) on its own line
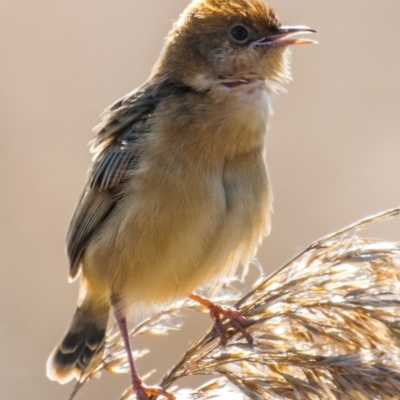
point(218, 312)
point(144, 392)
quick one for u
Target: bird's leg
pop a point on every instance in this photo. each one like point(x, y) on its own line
point(217, 312)
point(142, 392)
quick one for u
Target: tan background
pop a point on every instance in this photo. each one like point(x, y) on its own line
point(333, 150)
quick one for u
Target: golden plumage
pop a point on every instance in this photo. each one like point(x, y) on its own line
point(178, 192)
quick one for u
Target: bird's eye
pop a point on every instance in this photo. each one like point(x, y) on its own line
point(239, 33)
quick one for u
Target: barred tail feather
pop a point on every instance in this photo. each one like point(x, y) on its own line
point(82, 343)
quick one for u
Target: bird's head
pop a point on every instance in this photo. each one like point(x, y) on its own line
point(230, 43)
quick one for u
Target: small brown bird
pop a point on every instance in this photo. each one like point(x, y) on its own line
point(178, 192)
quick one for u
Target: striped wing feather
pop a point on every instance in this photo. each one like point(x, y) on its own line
point(115, 154)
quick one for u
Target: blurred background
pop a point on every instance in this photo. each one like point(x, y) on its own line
point(333, 151)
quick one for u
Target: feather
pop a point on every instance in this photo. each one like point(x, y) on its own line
point(116, 154)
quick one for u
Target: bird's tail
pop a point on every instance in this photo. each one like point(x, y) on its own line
point(83, 341)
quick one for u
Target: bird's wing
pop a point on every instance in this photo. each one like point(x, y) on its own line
point(115, 154)
point(115, 150)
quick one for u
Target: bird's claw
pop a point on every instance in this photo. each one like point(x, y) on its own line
point(234, 316)
point(144, 392)
point(218, 312)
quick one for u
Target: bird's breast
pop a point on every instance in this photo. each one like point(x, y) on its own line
point(246, 112)
point(197, 204)
point(220, 123)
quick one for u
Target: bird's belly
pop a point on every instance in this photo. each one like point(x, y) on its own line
point(247, 218)
point(177, 235)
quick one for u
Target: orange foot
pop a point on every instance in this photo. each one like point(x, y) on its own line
point(144, 392)
point(217, 312)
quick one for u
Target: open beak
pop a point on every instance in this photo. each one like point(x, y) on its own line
point(284, 37)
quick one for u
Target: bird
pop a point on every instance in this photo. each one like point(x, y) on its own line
point(178, 194)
